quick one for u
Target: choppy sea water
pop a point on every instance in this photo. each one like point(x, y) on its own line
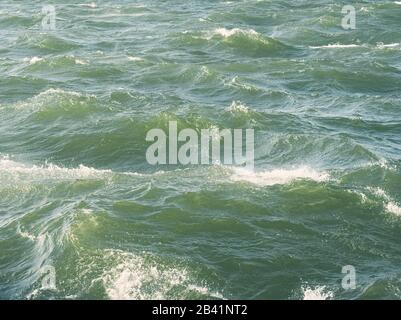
point(76, 191)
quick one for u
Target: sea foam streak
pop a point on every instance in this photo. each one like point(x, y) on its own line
point(46, 171)
point(352, 45)
point(336, 46)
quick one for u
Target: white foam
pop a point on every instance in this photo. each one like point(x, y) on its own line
point(120, 14)
point(389, 204)
point(204, 71)
point(130, 278)
point(379, 192)
point(278, 176)
point(226, 33)
point(80, 61)
point(363, 197)
point(389, 45)
point(336, 46)
point(136, 278)
point(25, 234)
point(87, 211)
point(383, 163)
point(205, 291)
point(132, 58)
point(395, 45)
point(237, 106)
point(235, 82)
point(33, 60)
point(317, 293)
point(53, 91)
point(350, 46)
point(394, 208)
point(89, 5)
point(36, 103)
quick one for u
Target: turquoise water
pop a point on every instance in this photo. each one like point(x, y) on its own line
point(77, 193)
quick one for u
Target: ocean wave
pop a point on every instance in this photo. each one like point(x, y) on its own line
point(246, 41)
point(249, 40)
point(387, 287)
point(57, 102)
point(47, 42)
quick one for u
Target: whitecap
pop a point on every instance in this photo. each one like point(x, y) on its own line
point(379, 192)
point(33, 60)
point(237, 107)
point(317, 293)
point(226, 33)
point(278, 176)
point(394, 208)
point(133, 58)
